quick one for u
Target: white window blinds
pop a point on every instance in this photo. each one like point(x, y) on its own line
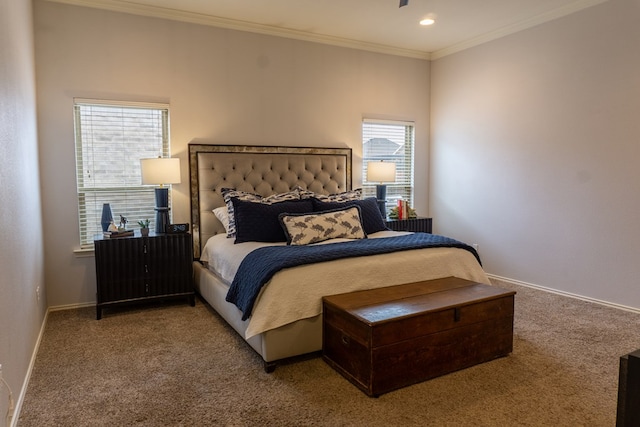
point(111, 138)
point(393, 142)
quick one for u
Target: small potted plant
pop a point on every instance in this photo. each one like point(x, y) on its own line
point(144, 227)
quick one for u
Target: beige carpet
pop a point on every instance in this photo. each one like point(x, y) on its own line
point(166, 365)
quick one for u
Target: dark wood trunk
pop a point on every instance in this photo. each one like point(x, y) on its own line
point(387, 338)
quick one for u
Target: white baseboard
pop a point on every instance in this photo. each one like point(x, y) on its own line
point(563, 293)
point(71, 306)
point(25, 384)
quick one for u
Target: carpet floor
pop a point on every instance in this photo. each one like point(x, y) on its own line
point(175, 365)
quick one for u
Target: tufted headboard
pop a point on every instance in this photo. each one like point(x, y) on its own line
point(262, 170)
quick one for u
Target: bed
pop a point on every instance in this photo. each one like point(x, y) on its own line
point(285, 319)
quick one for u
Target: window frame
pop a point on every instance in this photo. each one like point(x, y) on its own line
point(403, 187)
point(132, 195)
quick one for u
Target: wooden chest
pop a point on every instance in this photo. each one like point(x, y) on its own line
point(387, 338)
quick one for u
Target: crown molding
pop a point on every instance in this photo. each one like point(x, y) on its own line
point(232, 24)
point(520, 26)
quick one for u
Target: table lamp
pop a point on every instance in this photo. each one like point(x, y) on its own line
point(381, 172)
point(161, 171)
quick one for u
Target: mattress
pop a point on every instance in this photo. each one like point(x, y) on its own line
point(296, 293)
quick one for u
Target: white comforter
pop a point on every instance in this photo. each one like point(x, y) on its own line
point(296, 293)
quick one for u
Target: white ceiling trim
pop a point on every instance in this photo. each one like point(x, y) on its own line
point(203, 19)
point(214, 21)
point(520, 26)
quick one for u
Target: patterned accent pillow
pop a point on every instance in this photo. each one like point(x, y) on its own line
point(338, 197)
point(372, 220)
point(303, 229)
point(228, 194)
point(304, 193)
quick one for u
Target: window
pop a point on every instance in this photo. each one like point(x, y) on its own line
point(111, 138)
point(393, 142)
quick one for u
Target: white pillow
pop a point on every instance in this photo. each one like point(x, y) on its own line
point(303, 229)
point(222, 213)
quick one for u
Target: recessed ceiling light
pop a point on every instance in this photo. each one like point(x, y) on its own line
point(427, 21)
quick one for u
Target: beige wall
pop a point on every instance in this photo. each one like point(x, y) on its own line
point(21, 257)
point(535, 145)
point(223, 86)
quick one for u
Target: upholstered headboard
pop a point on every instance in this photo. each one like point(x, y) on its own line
point(262, 170)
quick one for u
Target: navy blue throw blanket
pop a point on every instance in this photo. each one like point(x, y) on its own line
point(260, 265)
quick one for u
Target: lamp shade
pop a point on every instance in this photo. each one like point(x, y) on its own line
point(381, 171)
point(163, 170)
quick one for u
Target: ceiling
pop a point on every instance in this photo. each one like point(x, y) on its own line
point(376, 25)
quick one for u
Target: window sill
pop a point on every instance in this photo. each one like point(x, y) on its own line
point(84, 253)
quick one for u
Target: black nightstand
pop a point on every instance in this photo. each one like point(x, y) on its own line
point(411, 224)
point(136, 268)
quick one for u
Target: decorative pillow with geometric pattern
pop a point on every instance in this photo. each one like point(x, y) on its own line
point(338, 197)
point(228, 194)
point(303, 229)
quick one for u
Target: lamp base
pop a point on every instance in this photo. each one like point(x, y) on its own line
point(381, 197)
point(382, 205)
point(162, 209)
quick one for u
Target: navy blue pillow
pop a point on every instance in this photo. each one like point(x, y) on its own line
point(372, 220)
point(258, 222)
